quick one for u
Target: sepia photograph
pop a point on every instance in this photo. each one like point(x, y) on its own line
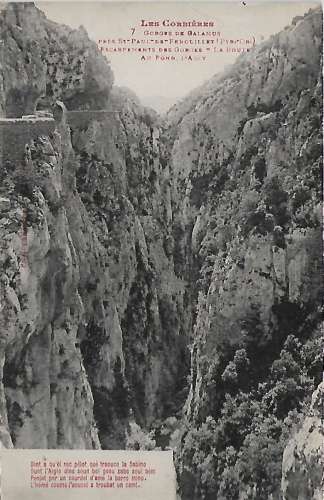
point(161, 250)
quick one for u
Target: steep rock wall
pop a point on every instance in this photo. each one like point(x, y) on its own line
point(126, 239)
point(42, 59)
point(92, 307)
point(246, 154)
point(302, 465)
point(246, 179)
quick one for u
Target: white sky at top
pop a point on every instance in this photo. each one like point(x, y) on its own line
point(115, 19)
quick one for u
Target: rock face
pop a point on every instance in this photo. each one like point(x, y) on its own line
point(302, 466)
point(91, 305)
point(42, 59)
point(245, 161)
point(126, 239)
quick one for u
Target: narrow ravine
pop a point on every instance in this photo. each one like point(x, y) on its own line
point(160, 277)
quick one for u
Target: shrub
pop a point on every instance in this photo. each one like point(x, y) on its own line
point(276, 200)
point(138, 439)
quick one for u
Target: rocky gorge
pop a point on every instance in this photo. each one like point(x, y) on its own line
point(161, 276)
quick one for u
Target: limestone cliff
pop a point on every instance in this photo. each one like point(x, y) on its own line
point(246, 153)
point(42, 59)
point(91, 305)
point(127, 240)
point(302, 467)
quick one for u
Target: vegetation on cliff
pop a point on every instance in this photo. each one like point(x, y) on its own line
point(131, 244)
point(251, 176)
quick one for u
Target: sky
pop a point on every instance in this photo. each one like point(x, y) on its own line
point(112, 19)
